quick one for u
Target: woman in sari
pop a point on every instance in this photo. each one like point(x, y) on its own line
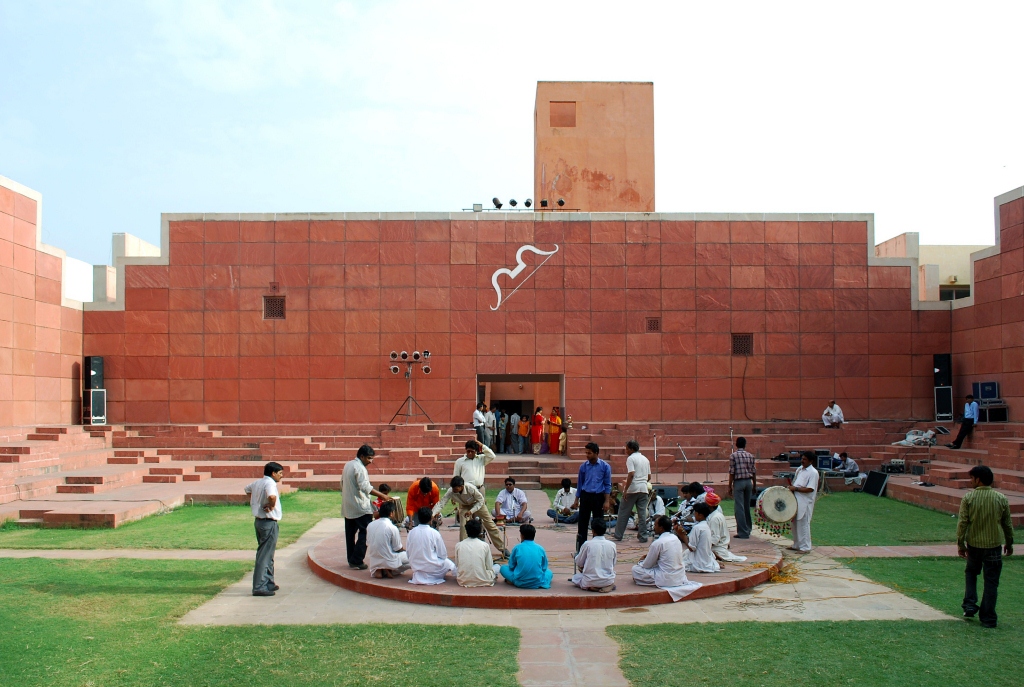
point(537, 430)
point(554, 430)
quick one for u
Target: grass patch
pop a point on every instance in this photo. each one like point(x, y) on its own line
point(112, 622)
point(896, 653)
point(186, 527)
point(859, 519)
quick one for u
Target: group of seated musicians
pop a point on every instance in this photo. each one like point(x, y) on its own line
point(695, 540)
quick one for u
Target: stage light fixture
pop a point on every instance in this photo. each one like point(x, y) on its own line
point(426, 353)
point(404, 355)
point(394, 369)
point(544, 202)
point(426, 369)
point(513, 202)
point(561, 202)
point(416, 356)
point(394, 355)
point(497, 203)
point(528, 202)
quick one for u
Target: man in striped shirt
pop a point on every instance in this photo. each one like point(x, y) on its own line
point(984, 516)
point(742, 485)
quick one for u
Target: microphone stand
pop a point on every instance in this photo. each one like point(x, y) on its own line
point(686, 461)
point(707, 473)
point(655, 457)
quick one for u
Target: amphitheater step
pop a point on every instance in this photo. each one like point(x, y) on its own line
point(161, 479)
point(29, 522)
point(43, 437)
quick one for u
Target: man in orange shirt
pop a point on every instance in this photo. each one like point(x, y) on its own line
point(423, 493)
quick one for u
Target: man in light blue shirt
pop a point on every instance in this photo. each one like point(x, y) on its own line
point(967, 425)
point(593, 491)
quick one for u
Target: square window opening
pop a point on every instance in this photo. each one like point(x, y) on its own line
point(743, 344)
point(273, 307)
point(653, 324)
point(563, 113)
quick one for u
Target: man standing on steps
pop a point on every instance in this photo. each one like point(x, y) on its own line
point(265, 501)
point(355, 505)
point(634, 492)
point(593, 492)
point(513, 433)
point(985, 523)
point(472, 466)
point(967, 425)
point(742, 484)
point(479, 421)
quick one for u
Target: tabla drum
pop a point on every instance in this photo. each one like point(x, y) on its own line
point(776, 507)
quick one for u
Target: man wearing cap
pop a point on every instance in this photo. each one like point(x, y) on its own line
point(719, 531)
point(355, 505)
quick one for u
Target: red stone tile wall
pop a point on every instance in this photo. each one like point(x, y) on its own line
point(989, 337)
point(192, 346)
point(40, 340)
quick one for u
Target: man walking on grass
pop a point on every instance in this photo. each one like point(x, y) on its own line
point(265, 502)
point(984, 516)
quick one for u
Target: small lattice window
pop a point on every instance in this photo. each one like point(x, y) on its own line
point(653, 324)
point(273, 307)
point(743, 344)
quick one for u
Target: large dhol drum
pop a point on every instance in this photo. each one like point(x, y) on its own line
point(776, 507)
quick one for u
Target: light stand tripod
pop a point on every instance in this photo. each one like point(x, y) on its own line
point(409, 402)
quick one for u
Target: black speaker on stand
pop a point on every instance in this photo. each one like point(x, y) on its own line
point(943, 370)
point(94, 395)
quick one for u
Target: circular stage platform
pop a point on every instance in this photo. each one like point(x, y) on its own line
point(327, 560)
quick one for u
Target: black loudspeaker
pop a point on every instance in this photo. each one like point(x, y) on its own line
point(875, 483)
point(92, 372)
point(94, 407)
point(943, 368)
point(943, 404)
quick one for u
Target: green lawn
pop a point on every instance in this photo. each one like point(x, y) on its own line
point(187, 527)
point(858, 519)
point(112, 622)
point(893, 653)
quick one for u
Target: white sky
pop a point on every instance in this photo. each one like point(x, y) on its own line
point(118, 111)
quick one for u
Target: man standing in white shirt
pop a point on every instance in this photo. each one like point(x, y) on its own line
point(489, 426)
point(833, 416)
point(967, 425)
point(596, 561)
point(511, 503)
point(472, 466)
point(634, 492)
point(562, 510)
point(356, 507)
point(265, 501)
point(805, 488)
point(479, 421)
point(384, 547)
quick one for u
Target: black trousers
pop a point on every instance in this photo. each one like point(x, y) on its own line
point(991, 562)
point(590, 505)
point(355, 538)
point(966, 427)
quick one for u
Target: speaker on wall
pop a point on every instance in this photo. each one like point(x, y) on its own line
point(92, 372)
point(943, 368)
point(943, 404)
point(94, 407)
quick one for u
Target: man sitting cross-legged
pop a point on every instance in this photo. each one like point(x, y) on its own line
point(528, 565)
point(510, 505)
point(473, 558)
point(596, 561)
point(698, 556)
point(563, 512)
point(428, 556)
point(663, 566)
point(384, 551)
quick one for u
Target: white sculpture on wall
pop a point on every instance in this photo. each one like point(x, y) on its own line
point(520, 266)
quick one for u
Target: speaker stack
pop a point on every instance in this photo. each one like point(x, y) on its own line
point(943, 368)
point(94, 395)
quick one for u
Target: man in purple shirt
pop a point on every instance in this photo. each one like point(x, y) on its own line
point(593, 491)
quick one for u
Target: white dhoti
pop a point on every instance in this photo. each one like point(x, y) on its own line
point(435, 575)
point(802, 532)
point(645, 577)
point(725, 554)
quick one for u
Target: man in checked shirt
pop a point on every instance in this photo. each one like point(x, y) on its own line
point(742, 482)
point(984, 525)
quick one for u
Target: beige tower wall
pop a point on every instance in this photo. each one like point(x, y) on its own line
point(595, 147)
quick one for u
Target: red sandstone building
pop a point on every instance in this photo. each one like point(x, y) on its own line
point(620, 313)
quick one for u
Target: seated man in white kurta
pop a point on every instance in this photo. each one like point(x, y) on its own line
point(428, 556)
point(720, 531)
point(385, 554)
point(833, 415)
point(473, 558)
point(596, 561)
point(697, 555)
point(663, 566)
point(805, 488)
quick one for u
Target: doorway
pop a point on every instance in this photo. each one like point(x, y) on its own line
point(522, 393)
